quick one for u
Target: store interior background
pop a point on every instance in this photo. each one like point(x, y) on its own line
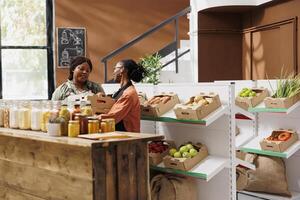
point(238, 42)
point(111, 24)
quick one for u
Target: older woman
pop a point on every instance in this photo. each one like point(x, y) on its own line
point(78, 83)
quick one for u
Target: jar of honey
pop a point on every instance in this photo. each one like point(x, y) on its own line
point(83, 122)
point(87, 109)
point(93, 126)
point(104, 127)
point(73, 128)
point(110, 124)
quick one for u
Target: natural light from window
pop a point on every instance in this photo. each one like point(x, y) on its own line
point(24, 58)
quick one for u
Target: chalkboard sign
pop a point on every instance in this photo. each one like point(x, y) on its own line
point(71, 43)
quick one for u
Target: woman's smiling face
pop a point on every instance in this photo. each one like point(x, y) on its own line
point(82, 72)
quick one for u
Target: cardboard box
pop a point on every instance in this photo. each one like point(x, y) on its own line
point(157, 110)
point(156, 158)
point(247, 102)
point(185, 163)
point(101, 105)
point(279, 146)
point(142, 97)
point(196, 112)
point(271, 102)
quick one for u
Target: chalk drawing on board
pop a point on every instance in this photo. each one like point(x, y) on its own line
point(71, 43)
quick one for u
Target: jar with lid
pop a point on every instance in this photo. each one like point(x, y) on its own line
point(24, 115)
point(104, 127)
point(6, 108)
point(73, 128)
point(65, 115)
point(46, 107)
point(2, 107)
point(76, 109)
point(83, 123)
point(54, 112)
point(36, 115)
point(110, 124)
point(87, 109)
point(14, 115)
point(93, 125)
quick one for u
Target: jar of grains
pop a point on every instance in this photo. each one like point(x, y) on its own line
point(36, 115)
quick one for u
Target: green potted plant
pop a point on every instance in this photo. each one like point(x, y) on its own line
point(152, 65)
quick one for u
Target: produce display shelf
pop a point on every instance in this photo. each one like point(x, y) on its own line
point(247, 114)
point(171, 117)
point(261, 108)
point(243, 138)
point(295, 195)
point(254, 147)
point(206, 169)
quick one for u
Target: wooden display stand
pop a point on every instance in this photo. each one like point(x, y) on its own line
point(35, 167)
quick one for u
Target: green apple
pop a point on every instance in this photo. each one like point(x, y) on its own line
point(183, 149)
point(252, 94)
point(172, 151)
point(189, 146)
point(177, 154)
point(186, 155)
point(193, 152)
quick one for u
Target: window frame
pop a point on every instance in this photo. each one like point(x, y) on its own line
point(48, 47)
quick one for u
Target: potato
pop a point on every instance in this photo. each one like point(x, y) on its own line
point(198, 98)
point(202, 102)
point(209, 100)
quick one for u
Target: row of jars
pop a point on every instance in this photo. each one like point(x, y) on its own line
point(83, 125)
point(35, 115)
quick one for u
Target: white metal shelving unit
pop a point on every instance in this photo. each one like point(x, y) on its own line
point(267, 121)
point(217, 132)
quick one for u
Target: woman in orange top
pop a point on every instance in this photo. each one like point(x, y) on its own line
point(126, 110)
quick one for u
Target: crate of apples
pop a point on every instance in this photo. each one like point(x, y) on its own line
point(251, 97)
point(279, 140)
point(186, 157)
point(159, 149)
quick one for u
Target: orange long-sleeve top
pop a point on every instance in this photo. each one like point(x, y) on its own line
point(127, 108)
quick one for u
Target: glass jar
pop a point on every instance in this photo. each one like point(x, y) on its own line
point(45, 115)
point(65, 115)
point(14, 115)
point(83, 123)
point(6, 105)
point(24, 115)
point(2, 107)
point(54, 112)
point(104, 127)
point(76, 109)
point(73, 128)
point(36, 115)
point(87, 109)
point(110, 124)
point(93, 126)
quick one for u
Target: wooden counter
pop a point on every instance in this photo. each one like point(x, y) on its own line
point(34, 166)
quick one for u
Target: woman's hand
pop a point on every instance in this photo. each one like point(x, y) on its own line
point(99, 117)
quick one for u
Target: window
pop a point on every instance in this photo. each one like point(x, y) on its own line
point(26, 62)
